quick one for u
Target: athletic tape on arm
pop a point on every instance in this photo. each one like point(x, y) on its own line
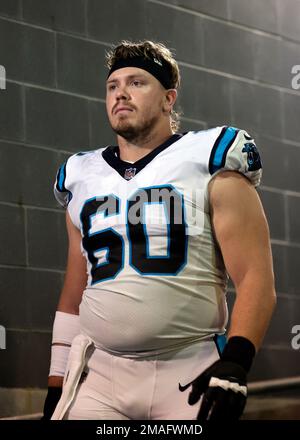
point(65, 328)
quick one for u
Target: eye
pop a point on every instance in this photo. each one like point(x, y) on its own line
point(111, 87)
point(136, 83)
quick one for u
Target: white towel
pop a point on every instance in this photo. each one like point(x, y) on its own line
point(75, 366)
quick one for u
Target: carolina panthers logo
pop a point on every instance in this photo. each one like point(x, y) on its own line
point(253, 157)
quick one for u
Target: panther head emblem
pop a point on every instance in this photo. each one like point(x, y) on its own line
point(253, 158)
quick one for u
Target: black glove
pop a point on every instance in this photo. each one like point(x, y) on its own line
point(51, 401)
point(224, 384)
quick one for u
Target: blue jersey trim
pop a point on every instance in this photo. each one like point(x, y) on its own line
point(60, 184)
point(220, 341)
point(61, 177)
point(221, 146)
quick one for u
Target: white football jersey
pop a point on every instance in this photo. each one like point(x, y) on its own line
point(156, 277)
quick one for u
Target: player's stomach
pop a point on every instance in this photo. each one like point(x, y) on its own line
point(155, 320)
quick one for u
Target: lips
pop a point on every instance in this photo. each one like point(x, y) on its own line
point(119, 109)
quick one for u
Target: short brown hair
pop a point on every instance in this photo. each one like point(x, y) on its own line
point(148, 49)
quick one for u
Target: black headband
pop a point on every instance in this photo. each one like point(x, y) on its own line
point(159, 69)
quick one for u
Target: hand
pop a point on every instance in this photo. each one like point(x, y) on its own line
point(51, 401)
point(224, 390)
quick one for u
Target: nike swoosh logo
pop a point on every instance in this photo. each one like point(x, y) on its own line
point(184, 387)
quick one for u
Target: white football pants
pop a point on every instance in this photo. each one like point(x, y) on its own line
point(118, 388)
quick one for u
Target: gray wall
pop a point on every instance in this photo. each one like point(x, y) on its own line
point(236, 58)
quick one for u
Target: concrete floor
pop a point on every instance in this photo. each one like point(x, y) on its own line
point(278, 405)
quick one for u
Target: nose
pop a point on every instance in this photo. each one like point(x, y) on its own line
point(122, 93)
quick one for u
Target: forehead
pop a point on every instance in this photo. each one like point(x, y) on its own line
point(126, 72)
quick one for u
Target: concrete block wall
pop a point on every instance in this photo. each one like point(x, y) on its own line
point(235, 57)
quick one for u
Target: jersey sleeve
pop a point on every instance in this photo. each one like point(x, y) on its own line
point(235, 150)
point(61, 192)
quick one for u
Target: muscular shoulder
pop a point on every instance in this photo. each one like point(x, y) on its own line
point(229, 187)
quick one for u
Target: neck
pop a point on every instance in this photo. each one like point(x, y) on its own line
point(134, 150)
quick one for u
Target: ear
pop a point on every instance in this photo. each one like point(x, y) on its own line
point(170, 99)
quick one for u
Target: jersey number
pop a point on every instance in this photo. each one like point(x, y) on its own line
point(112, 242)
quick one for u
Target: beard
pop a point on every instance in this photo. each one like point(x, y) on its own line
point(135, 133)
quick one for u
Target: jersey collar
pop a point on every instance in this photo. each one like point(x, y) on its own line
point(128, 170)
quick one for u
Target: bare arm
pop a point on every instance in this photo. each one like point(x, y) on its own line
point(242, 233)
point(76, 272)
point(74, 283)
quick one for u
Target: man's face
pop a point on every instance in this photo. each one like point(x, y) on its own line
point(134, 102)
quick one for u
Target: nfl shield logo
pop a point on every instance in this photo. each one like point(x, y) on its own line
point(129, 173)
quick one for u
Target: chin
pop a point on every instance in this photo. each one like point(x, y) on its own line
point(123, 125)
point(134, 132)
point(126, 131)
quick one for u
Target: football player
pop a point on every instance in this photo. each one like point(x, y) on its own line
point(155, 225)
